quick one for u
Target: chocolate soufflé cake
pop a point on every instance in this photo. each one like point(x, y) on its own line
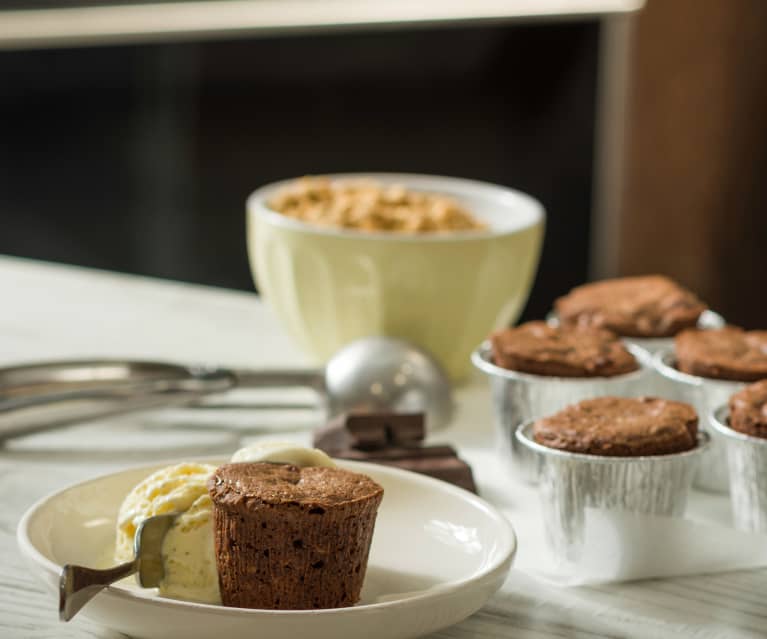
point(645, 306)
point(620, 427)
point(290, 538)
point(727, 353)
point(541, 349)
point(748, 410)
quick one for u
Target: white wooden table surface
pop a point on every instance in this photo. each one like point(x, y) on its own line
point(50, 311)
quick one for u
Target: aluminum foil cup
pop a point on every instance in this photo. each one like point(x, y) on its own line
point(706, 394)
point(569, 483)
point(707, 320)
point(747, 463)
point(519, 397)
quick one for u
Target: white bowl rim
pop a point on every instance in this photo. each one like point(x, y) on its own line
point(487, 572)
point(256, 205)
point(480, 357)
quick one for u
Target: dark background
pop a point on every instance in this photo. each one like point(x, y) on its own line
point(139, 159)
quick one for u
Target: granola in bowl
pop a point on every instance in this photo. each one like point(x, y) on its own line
point(367, 205)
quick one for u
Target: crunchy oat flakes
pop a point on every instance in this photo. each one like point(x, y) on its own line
point(367, 205)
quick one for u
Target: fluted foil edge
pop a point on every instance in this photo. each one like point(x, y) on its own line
point(747, 463)
point(569, 483)
point(705, 395)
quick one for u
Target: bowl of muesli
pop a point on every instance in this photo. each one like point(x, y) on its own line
point(438, 261)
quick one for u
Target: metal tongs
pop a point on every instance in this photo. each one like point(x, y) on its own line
point(51, 395)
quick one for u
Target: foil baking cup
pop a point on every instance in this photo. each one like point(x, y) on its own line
point(747, 463)
point(519, 397)
point(705, 394)
point(707, 320)
point(570, 483)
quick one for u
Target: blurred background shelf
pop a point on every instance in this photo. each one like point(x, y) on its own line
point(78, 23)
point(133, 132)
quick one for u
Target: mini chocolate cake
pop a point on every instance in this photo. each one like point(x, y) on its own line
point(727, 353)
point(748, 410)
point(620, 427)
point(290, 538)
point(541, 349)
point(646, 306)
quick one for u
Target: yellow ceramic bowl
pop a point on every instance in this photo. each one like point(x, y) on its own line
point(444, 292)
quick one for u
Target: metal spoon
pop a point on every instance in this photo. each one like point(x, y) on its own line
point(78, 584)
point(370, 374)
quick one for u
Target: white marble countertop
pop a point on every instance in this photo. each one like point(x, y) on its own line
point(51, 311)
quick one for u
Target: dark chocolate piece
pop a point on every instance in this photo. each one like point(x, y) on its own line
point(396, 453)
point(450, 469)
point(370, 431)
point(392, 440)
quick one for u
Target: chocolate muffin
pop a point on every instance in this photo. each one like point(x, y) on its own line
point(748, 410)
point(620, 427)
point(727, 353)
point(645, 306)
point(290, 538)
point(541, 349)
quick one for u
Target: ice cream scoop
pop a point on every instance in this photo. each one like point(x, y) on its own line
point(370, 374)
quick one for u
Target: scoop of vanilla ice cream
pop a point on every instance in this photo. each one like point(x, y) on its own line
point(188, 553)
point(283, 452)
point(189, 557)
point(170, 489)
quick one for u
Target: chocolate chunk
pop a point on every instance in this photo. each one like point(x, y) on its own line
point(392, 440)
point(370, 431)
point(396, 453)
point(449, 469)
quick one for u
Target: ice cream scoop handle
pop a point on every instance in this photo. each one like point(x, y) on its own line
point(285, 378)
point(78, 585)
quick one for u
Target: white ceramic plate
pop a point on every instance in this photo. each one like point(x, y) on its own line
point(438, 554)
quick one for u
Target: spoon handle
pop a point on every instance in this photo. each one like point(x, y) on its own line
point(78, 585)
point(277, 378)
